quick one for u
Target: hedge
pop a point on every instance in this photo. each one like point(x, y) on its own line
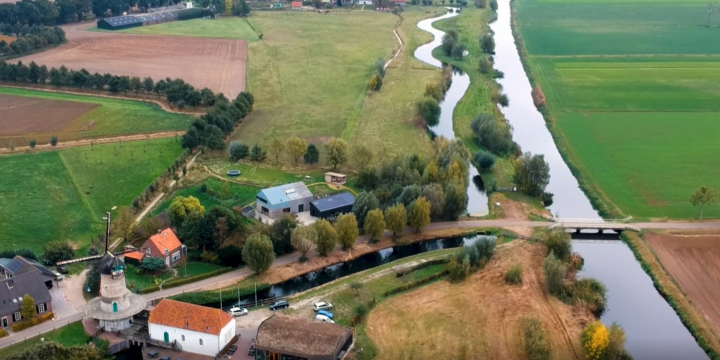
point(22, 325)
point(671, 300)
point(183, 281)
point(3, 333)
point(213, 297)
point(408, 270)
point(414, 284)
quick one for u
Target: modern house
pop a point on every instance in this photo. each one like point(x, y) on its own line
point(332, 205)
point(335, 178)
point(296, 5)
point(285, 337)
point(164, 245)
point(18, 277)
point(284, 199)
point(197, 329)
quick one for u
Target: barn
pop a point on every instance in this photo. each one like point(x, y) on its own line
point(135, 20)
point(332, 205)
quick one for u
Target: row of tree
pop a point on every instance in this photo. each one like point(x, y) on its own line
point(336, 151)
point(29, 39)
point(210, 130)
point(378, 73)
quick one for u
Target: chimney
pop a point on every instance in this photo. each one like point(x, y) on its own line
point(159, 231)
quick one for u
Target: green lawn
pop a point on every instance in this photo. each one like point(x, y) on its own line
point(267, 176)
point(641, 129)
point(68, 335)
point(111, 116)
point(310, 71)
point(225, 27)
point(62, 195)
point(138, 282)
point(239, 195)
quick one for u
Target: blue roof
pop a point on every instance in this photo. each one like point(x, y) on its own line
point(283, 194)
point(334, 201)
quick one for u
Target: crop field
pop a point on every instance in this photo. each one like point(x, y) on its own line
point(62, 195)
point(633, 89)
point(225, 28)
point(34, 114)
point(309, 73)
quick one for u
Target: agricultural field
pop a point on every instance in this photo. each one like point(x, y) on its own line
point(224, 28)
point(309, 80)
point(632, 89)
point(694, 262)
point(218, 64)
point(62, 195)
point(34, 114)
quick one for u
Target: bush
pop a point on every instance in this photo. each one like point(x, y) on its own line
point(590, 294)
point(458, 270)
point(175, 283)
point(514, 275)
point(491, 135)
point(547, 198)
point(361, 310)
point(558, 242)
point(537, 345)
point(24, 324)
point(429, 111)
point(213, 297)
point(484, 160)
point(414, 284)
point(3, 333)
point(210, 257)
point(554, 271)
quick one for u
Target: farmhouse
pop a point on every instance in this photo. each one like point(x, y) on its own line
point(135, 20)
point(332, 205)
point(284, 199)
point(198, 329)
point(296, 5)
point(20, 265)
point(18, 277)
point(285, 337)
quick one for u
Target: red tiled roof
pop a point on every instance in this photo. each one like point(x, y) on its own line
point(296, 4)
point(137, 255)
point(193, 317)
point(165, 240)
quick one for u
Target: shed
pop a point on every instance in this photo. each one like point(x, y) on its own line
point(289, 198)
point(248, 211)
point(282, 336)
point(296, 5)
point(332, 205)
point(135, 20)
point(335, 178)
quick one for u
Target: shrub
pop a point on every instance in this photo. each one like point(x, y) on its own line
point(547, 198)
point(3, 333)
point(375, 83)
point(537, 345)
point(24, 324)
point(33, 143)
point(589, 293)
point(53, 141)
point(514, 275)
point(458, 270)
point(485, 65)
point(361, 310)
point(491, 135)
point(151, 265)
point(238, 150)
point(433, 91)
point(554, 271)
point(414, 284)
point(175, 283)
point(595, 339)
point(558, 242)
point(484, 160)
point(429, 111)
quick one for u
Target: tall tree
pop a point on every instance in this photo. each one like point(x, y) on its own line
point(258, 253)
point(58, 250)
point(281, 233)
point(304, 239)
point(374, 225)
point(183, 208)
point(395, 219)
point(276, 148)
point(362, 155)
point(28, 311)
point(419, 213)
point(312, 155)
point(327, 237)
point(296, 148)
point(337, 152)
point(124, 224)
point(347, 230)
point(702, 195)
point(532, 174)
point(364, 202)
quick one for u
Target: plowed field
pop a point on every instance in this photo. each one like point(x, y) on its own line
point(23, 115)
point(694, 261)
point(218, 64)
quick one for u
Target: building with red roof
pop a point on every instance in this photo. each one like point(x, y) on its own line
point(164, 245)
point(296, 5)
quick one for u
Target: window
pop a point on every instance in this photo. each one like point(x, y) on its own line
point(261, 200)
point(286, 210)
point(41, 308)
point(201, 342)
point(16, 316)
point(182, 337)
point(264, 209)
point(176, 256)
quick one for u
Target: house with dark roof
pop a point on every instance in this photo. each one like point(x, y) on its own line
point(284, 337)
point(151, 18)
point(284, 199)
point(331, 206)
point(198, 329)
point(20, 277)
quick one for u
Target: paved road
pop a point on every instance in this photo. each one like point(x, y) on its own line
point(50, 325)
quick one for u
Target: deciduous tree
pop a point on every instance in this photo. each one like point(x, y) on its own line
point(124, 225)
point(183, 208)
point(296, 148)
point(28, 311)
point(327, 237)
point(347, 230)
point(374, 225)
point(304, 239)
point(281, 233)
point(395, 219)
point(487, 43)
point(419, 213)
point(702, 195)
point(362, 155)
point(429, 111)
point(238, 150)
point(276, 147)
point(58, 250)
point(356, 285)
point(364, 202)
point(532, 174)
point(336, 152)
point(258, 253)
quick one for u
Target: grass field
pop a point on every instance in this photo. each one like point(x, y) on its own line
point(110, 117)
point(226, 28)
point(69, 335)
point(639, 127)
point(137, 281)
point(310, 71)
point(239, 195)
point(62, 195)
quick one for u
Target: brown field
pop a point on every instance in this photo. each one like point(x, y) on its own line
point(480, 317)
point(24, 115)
point(8, 39)
point(218, 64)
point(694, 261)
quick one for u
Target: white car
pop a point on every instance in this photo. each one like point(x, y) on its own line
point(322, 306)
point(323, 318)
point(238, 311)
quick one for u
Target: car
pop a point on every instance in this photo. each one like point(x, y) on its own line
point(322, 306)
point(234, 173)
point(323, 318)
point(280, 304)
point(238, 311)
point(62, 269)
point(326, 313)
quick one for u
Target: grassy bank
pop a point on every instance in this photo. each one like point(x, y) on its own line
point(668, 288)
point(69, 335)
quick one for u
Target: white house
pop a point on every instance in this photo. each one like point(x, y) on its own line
point(198, 329)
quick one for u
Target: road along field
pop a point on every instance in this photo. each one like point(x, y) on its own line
point(480, 316)
point(218, 64)
point(62, 195)
point(33, 114)
point(694, 262)
point(632, 92)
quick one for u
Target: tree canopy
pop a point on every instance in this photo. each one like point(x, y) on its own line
point(326, 237)
point(336, 152)
point(258, 253)
point(346, 227)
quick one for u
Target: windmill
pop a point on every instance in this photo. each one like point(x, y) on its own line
point(116, 305)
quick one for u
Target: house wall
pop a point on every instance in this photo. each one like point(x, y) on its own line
point(212, 344)
point(11, 318)
point(276, 210)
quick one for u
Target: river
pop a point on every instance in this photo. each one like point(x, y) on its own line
point(653, 329)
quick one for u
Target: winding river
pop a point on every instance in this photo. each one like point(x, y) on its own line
point(653, 329)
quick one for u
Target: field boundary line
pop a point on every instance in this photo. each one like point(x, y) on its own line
point(93, 141)
point(76, 185)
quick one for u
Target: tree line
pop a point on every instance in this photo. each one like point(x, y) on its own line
point(29, 38)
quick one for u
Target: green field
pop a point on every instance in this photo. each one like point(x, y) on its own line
point(69, 335)
point(111, 116)
point(226, 27)
point(238, 195)
point(62, 195)
point(641, 128)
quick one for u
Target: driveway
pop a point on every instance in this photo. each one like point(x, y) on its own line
point(60, 306)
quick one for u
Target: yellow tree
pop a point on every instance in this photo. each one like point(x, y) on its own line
point(419, 213)
point(595, 338)
point(275, 148)
point(395, 219)
point(374, 225)
point(296, 148)
point(228, 7)
point(184, 207)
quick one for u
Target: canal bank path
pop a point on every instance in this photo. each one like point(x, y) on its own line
point(291, 258)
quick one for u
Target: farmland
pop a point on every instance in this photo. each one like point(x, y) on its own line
point(632, 92)
point(226, 28)
point(34, 114)
point(63, 194)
